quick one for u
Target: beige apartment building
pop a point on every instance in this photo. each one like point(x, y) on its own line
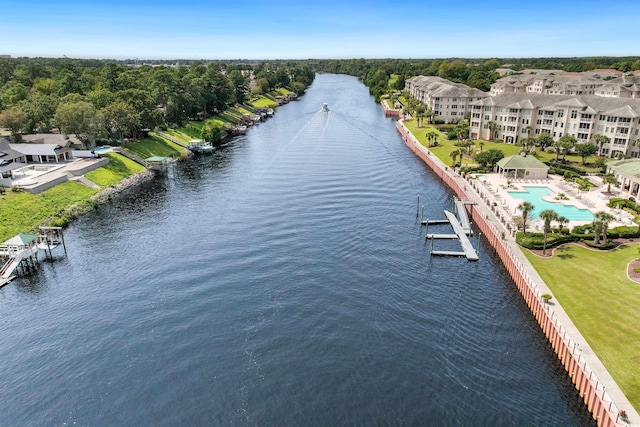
point(448, 101)
point(519, 115)
point(564, 84)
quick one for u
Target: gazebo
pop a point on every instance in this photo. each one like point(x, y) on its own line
point(522, 166)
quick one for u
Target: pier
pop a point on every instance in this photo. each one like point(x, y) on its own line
point(21, 251)
point(461, 231)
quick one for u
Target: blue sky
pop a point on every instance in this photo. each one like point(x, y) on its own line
point(271, 29)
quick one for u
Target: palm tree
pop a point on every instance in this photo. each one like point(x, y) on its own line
point(547, 215)
point(525, 208)
point(454, 156)
point(481, 144)
point(602, 220)
point(600, 140)
point(609, 179)
point(562, 220)
point(493, 127)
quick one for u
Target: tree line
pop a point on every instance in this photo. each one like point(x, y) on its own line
point(104, 99)
point(474, 72)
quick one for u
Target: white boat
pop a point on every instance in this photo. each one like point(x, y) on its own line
point(325, 108)
point(200, 146)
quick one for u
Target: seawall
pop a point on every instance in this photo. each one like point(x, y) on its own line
point(603, 397)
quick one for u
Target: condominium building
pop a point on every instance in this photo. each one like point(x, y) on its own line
point(621, 87)
point(564, 84)
point(447, 100)
point(514, 116)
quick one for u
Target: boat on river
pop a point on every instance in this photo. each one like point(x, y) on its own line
point(325, 108)
point(200, 146)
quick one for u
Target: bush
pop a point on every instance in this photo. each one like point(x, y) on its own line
point(438, 122)
point(604, 246)
point(564, 167)
point(536, 240)
point(625, 231)
point(452, 135)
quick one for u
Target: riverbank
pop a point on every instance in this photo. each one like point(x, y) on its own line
point(601, 394)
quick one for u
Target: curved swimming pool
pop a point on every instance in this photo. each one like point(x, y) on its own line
point(534, 195)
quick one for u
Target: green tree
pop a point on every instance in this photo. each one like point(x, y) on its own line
point(15, 121)
point(212, 132)
point(547, 216)
point(544, 140)
point(489, 157)
point(600, 141)
point(600, 225)
point(493, 128)
point(566, 144)
point(585, 150)
point(526, 208)
point(121, 119)
point(80, 118)
point(609, 179)
point(454, 156)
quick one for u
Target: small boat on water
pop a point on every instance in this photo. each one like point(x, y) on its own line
point(200, 146)
point(325, 108)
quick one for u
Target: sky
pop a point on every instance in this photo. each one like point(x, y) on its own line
point(273, 29)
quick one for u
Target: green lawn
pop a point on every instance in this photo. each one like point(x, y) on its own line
point(22, 212)
point(593, 288)
point(446, 146)
point(119, 167)
point(263, 102)
point(283, 91)
point(154, 146)
point(393, 79)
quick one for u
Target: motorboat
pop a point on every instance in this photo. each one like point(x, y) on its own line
point(325, 108)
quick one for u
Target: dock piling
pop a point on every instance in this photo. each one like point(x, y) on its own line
point(418, 206)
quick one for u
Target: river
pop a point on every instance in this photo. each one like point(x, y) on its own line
point(282, 280)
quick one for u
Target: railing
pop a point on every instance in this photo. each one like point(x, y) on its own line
point(592, 391)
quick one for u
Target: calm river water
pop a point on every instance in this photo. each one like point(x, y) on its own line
point(283, 280)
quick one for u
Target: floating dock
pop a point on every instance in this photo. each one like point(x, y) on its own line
point(462, 230)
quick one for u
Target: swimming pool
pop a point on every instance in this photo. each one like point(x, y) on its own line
point(534, 196)
point(103, 149)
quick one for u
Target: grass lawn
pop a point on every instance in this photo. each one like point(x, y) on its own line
point(283, 91)
point(593, 288)
point(22, 212)
point(446, 146)
point(263, 102)
point(119, 167)
point(154, 146)
point(393, 79)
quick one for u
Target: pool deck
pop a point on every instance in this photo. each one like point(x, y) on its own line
point(496, 187)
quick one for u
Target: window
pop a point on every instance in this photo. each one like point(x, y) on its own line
point(620, 141)
point(560, 113)
point(574, 114)
point(583, 136)
point(602, 117)
point(487, 117)
point(585, 125)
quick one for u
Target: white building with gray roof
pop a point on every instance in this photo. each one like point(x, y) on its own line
point(519, 115)
point(448, 101)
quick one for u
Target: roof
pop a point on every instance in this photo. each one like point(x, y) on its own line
point(39, 149)
point(518, 161)
point(52, 138)
point(628, 167)
point(8, 153)
point(21, 239)
point(156, 159)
